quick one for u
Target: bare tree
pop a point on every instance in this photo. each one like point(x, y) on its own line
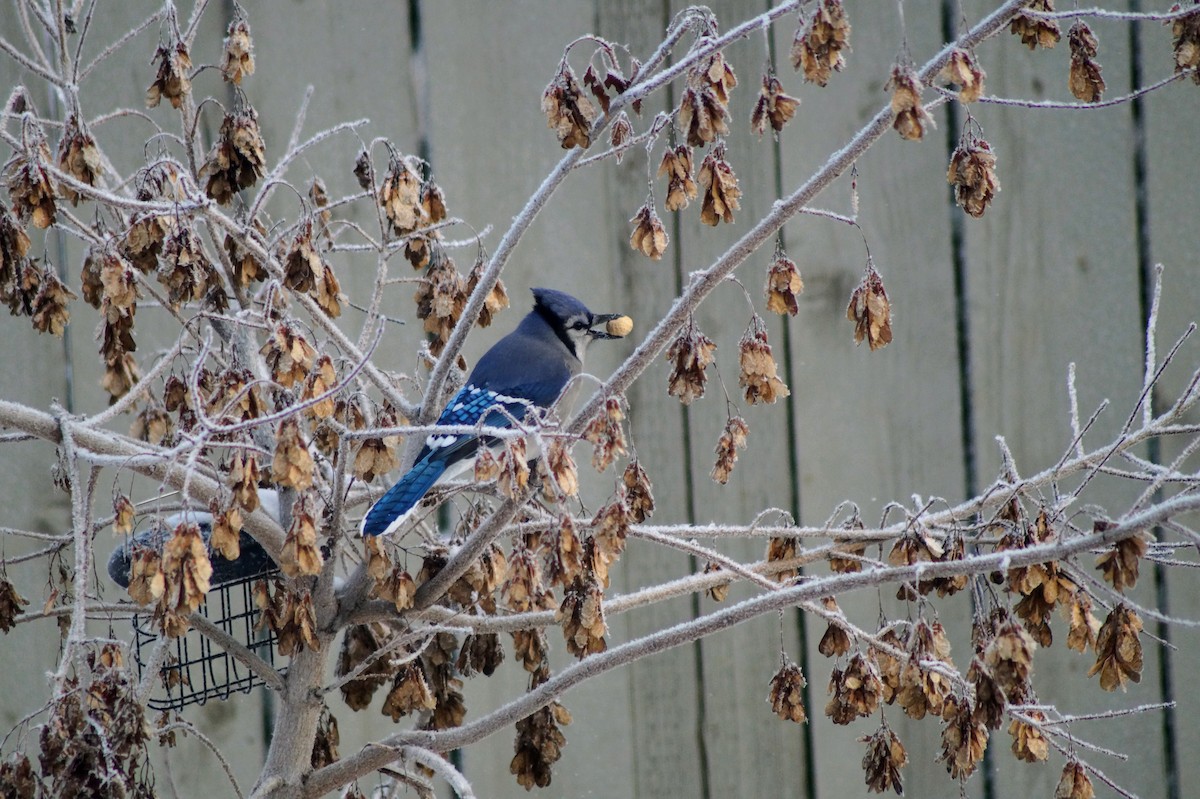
point(258, 383)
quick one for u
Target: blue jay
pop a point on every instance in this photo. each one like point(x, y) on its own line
point(527, 369)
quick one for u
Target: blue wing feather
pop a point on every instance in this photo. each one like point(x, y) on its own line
point(405, 494)
point(443, 451)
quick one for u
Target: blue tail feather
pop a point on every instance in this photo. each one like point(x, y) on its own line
point(403, 496)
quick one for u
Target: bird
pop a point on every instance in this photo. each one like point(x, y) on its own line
point(526, 369)
point(252, 561)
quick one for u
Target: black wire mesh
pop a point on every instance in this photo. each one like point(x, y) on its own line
point(196, 668)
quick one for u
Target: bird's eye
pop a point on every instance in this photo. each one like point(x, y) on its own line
point(580, 325)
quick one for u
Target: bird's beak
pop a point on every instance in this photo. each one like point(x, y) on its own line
point(609, 325)
point(600, 321)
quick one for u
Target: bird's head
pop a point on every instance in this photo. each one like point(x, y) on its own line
point(573, 323)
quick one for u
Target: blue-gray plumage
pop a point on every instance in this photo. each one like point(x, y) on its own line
point(526, 369)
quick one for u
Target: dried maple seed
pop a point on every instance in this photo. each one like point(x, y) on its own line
point(787, 693)
point(522, 590)
point(759, 372)
point(923, 690)
point(328, 293)
point(964, 739)
point(431, 209)
point(321, 380)
point(1118, 649)
point(186, 571)
point(918, 546)
point(649, 236)
point(889, 664)
point(606, 434)
point(237, 59)
point(514, 469)
point(621, 134)
point(854, 693)
point(963, 69)
point(172, 81)
point(784, 285)
point(12, 604)
point(1009, 660)
point(301, 557)
point(14, 246)
point(562, 553)
point(1074, 782)
point(676, 166)
point(397, 587)
point(78, 157)
point(581, 616)
point(377, 455)
point(1084, 78)
point(325, 744)
point(538, 745)
point(638, 491)
point(226, 531)
point(1041, 586)
point(851, 561)
point(774, 108)
point(302, 264)
point(835, 642)
point(123, 515)
point(1185, 43)
point(292, 466)
point(733, 438)
point(297, 623)
point(237, 159)
point(883, 760)
point(781, 549)
point(911, 117)
point(29, 185)
point(49, 312)
point(972, 173)
point(244, 481)
point(721, 190)
point(611, 528)
point(613, 79)
point(496, 300)
point(144, 240)
point(152, 425)
point(703, 111)
point(1083, 625)
point(717, 592)
point(1036, 32)
point(400, 195)
point(1121, 562)
point(184, 268)
point(818, 45)
point(360, 644)
point(1029, 744)
point(288, 354)
point(440, 299)
point(569, 113)
point(560, 467)
point(690, 355)
point(870, 310)
point(481, 653)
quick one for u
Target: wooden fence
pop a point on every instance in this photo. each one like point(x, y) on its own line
point(988, 315)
